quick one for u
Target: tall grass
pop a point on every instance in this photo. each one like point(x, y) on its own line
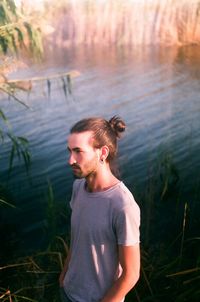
point(35, 277)
point(125, 22)
point(170, 262)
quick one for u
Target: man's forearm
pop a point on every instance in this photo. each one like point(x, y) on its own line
point(129, 258)
point(120, 288)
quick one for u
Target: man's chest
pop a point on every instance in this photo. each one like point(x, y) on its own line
point(93, 221)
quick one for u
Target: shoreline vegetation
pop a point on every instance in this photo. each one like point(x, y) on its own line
point(169, 266)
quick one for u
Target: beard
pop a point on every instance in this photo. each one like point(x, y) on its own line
point(86, 169)
point(77, 172)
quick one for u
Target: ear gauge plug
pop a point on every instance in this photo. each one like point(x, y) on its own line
point(102, 160)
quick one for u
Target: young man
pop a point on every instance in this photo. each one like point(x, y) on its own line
point(103, 263)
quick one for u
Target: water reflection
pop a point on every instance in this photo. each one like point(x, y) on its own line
point(190, 58)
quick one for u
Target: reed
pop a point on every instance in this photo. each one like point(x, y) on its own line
point(170, 251)
point(127, 23)
point(168, 272)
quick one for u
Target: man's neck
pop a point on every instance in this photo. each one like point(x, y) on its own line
point(101, 181)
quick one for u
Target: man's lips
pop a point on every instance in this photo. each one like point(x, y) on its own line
point(75, 168)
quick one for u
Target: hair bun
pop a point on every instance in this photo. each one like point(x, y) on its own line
point(118, 125)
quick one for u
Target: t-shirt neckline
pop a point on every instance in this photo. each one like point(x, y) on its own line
point(104, 192)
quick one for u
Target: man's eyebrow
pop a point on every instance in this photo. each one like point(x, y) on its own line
point(74, 149)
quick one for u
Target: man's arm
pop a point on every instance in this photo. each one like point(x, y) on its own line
point(129, 257)
point(64, 270)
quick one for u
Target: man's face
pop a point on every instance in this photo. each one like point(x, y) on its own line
point(84, 158)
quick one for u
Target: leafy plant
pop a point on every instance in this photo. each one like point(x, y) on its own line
point(19, 33)
point(16, 32)
point(19, 144)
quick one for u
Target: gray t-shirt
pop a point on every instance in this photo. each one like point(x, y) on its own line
point(100, 222)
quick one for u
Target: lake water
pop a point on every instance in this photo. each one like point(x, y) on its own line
point(155, 90)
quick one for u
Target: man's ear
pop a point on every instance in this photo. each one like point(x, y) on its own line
point(104, 153)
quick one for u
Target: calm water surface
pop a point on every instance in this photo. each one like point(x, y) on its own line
point(156, 91)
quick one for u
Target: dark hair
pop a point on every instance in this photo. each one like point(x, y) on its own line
point(104, 132)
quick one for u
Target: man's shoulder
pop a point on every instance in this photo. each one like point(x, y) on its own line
point(122, 196)
point(77, 183)
point(123, 202)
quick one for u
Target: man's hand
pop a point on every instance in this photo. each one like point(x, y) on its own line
point(61, 278)
point(65, 267)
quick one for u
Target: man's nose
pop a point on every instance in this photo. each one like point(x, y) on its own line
point(71, 159)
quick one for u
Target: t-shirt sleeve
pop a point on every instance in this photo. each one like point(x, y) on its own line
point(127, 225)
